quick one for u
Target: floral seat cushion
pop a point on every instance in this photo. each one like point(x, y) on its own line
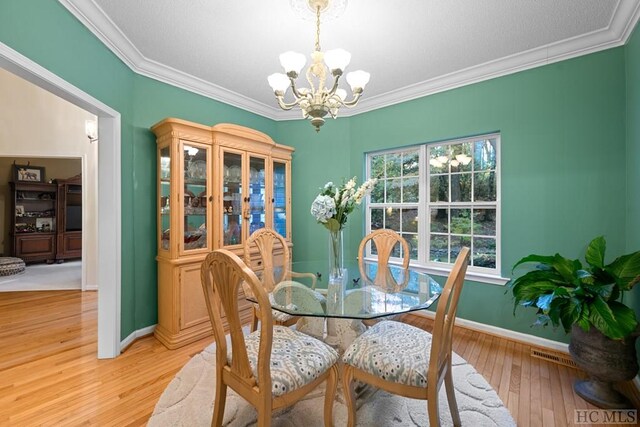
point(393, 351)
point(296, 358)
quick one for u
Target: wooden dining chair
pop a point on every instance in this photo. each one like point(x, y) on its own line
point(270, 368)
point(384, 241)
point(408, 361)
point(266, 241)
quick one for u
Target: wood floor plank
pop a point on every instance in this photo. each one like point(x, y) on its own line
point(49, 374)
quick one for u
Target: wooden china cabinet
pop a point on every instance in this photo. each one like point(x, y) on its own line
point(216, 185)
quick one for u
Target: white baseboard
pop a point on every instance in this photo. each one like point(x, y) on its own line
point(505, 333)
point(135, 335)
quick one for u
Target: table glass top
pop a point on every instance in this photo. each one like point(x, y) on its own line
point(358, 296)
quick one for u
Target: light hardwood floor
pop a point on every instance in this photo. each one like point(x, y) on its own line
point(49, 374)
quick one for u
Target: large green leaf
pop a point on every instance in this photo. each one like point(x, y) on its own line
point(603, 318)
point(566, 267)
point(595, 252)
point(626, 270)
point(531, 291)
point(625, 317)
point(534, 258)
point(332, 225)
point(570, 313)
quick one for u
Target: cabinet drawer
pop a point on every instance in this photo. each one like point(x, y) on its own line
point(35, 245)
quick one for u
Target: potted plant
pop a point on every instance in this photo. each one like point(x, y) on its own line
point(587, 301)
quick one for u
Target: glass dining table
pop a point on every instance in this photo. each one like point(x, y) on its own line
point(335, 309)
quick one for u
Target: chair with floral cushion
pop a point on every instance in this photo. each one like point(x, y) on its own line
point(270, 368)
point(271, 271)
point(408, 361)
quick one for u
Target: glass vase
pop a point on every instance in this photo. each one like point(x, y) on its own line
point(336, 260)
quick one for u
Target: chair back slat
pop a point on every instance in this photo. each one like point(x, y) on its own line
point(267, 240)
point(222, 273)
point(384, 240)
point(445, 317)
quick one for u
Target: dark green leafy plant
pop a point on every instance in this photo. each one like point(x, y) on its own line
point(566, 293)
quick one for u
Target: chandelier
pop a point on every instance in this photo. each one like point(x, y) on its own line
point(317, 101)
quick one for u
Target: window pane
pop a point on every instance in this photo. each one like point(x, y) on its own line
point(484, 186)
point(461, 221)
point(392, 220)
point(377, 166)
point(485, 154)
point(410, 220)
point(440, 188)
point(438, 159)
point(461, 157)
point(484, 222)
point(394, 190)
point(412, 240)
point(410, 164)
point(457, 243)
point(439, 248)
point(410, 190)
point(377, 219)
point(440, 220)
point(461, 187)
point(394, 162)
point(377, 193)
point(484, 252)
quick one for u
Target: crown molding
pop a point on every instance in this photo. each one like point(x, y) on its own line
point(623, 22)
point(94, 18)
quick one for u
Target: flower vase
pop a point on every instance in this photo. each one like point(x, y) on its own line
point(337, 272)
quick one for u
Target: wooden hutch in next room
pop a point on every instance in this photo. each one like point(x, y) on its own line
point(216, 186)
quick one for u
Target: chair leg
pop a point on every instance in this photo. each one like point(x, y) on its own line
point(264, 418)
point(220, 400)
point(330, 393)
point(432, 407)
point(451, 398)
point(254, 321)
point(349, 395)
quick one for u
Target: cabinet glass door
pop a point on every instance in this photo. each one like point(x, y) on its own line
point(232, 199)
point(165, 191)
point(280, 198)
point(257, 211)
point(195, 196)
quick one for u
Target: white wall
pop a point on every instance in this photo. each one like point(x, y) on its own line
point(35, 123)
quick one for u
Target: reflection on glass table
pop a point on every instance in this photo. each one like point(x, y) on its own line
point(356, 298)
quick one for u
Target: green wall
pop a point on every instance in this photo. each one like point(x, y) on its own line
point(632, 61)
point(563, 163)
point(45, 32)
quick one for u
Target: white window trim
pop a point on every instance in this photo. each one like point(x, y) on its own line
point(422, 264)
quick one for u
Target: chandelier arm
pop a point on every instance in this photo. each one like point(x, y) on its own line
point(336, 80)
point(295, 91)
point(284, 105)
point(354, 101)
point(310, 80)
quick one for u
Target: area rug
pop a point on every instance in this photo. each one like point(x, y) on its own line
point(188, 401)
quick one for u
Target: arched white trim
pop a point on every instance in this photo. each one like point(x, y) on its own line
point(108, 191)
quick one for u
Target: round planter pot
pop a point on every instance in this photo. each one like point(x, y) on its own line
point(606, 361)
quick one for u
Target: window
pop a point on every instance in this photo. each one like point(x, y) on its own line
point(440, 197)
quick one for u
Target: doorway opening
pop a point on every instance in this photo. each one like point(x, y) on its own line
point(107, 190)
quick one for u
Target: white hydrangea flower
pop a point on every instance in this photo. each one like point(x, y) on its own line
point(323, 208)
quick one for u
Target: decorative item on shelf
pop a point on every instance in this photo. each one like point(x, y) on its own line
point(318, 101)
point(19, 210)
point(331, 208)
point(27, 173)
point(587, 301)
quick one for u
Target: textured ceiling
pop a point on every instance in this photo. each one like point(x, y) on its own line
point(226, 49)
